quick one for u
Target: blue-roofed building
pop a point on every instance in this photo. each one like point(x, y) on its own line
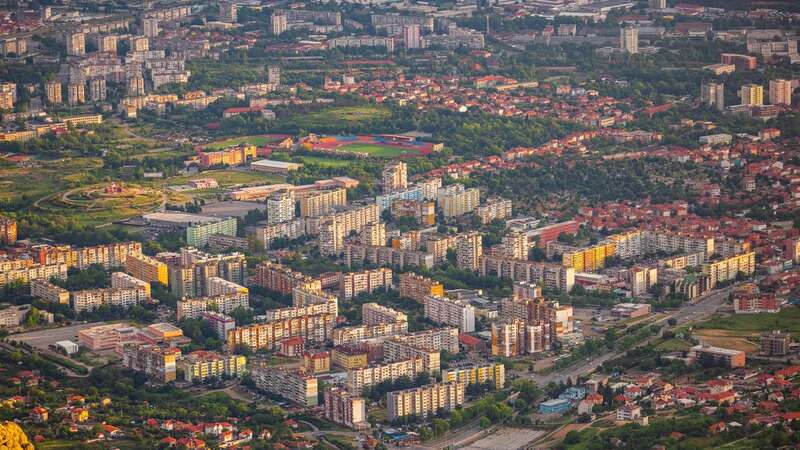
point(574, 393)
point(555, 406)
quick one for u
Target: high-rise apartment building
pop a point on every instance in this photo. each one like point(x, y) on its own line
point(455, 200)
point(8, 230)
point(295, 386)
point(106, 43)
point(775, 343)
point(454, 312)
point(155, 361)
point(136, 85)
point(344, 408)
point(353, 284)
point(412, 36)
point(395, 177)
point(227, 12)
point(476, 374)
point(203, 365)
point(424, 400)
point(195, 307)
point(629, 40)
point(278, 24)
point(76, 93)
point(76, 44)
point(713, 94)
point(316, 328)
point(374, 314)
point(417, 287)
point(752, 95)
point(97, 89)
point(278, 278)
point(321, 203)
point(52, 91)
point(780, 92)
point(280, 207)
point(150, 27)
point(469, 249)
point(358, 379)
point(657, 4)
point(274, 75)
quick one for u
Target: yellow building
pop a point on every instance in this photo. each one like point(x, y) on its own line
point(202, 365)
point(147, 269)
point(727, 269)
point(588, 259)
point(349, 357)
point(495, 373)
point(317, 362)
point(424, 400)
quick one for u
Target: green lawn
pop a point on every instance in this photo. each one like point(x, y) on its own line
point(378, 150)
point(325, 162)
point(257, 140)
point(788, 319)
point(674, 345)
point(226, 177)
point(340, 116)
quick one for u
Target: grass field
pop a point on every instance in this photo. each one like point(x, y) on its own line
point(256, 140)
point(340, 116)
point(788, 319)
point(52, 176)
point(377, 150)
point(325, 162)
point(226, 177)
point(674, 345)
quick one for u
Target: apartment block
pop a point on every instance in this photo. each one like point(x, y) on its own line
point(358, 379)
point(477, 374)
point(197, 235)
point(124, 281)
point(202, 365)
point(425, 400)
point(216, 286)
point(515, 245)
point(334, 228)
point(752, 95)
point(344, 408)
point(400, 350)
point(731, 358)
point(316, 328)
point(457, 313)
point(519, 337)
point(469, 249)
point(359, 333)
point(726, 269)
point(280, 207)
point(387, 256)
point(219, 322)
point(456, 201)
point(775, 343)
point(438, 245)
point(374, 314)
point(395, 177)
point(225, 304)
point(417, 287)
point(33, 272)
point(157, 362)
point(295, 386)
point(47, 291)
point(119, 297)
point(147, 269)
point(323, 202)
point(440, 339)
point(278, 278)
point(423, 211)
point(350, 357)
point(495, 208)
point(306, 301)
point(289, 230)
point(780, 92)
point(353, 284)
point(8, 231)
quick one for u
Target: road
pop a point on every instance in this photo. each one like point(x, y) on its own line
point(701, 309)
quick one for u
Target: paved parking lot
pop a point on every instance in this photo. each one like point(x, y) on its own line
point(506, 439)
point(42, 339)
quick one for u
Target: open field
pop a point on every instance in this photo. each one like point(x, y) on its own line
point(257, 140)
point(226, 177)
point(788, 319)
point(726, 339)
point(325, 162)
point(674, 345)
point(52, 176)
point(340, 116)
point(387, 151)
